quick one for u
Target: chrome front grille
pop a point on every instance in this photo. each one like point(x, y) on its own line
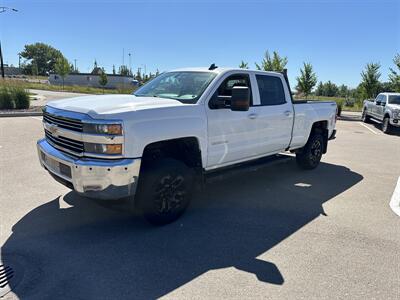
point(56, 120)
point(63, 122)
point(65, 144)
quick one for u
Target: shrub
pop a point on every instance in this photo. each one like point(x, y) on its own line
point(6, 99)
point(21, 98)
point(349, 102)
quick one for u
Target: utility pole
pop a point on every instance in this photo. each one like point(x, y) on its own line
point(130, 66)
point(4, 9)
point(1, 62)
point(75, 64)
point(19, 61)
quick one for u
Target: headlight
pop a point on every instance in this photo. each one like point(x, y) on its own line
point(396, 114)
point(112, 129)
point(113, 149)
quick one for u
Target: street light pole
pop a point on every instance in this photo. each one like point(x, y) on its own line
point(4, 9)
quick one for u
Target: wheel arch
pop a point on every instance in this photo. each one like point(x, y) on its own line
point(186, 149)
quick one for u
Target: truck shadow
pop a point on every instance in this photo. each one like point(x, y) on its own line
point(86, 251)
point(395, 131)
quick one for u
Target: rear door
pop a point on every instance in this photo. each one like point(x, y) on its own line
point(274, 113)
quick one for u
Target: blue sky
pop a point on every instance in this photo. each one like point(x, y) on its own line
point(337, 37)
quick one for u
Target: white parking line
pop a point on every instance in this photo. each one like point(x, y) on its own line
point(37, 118)
point(395, 201)
point(373, 131)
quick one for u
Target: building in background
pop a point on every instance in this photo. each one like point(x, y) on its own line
point(114, 81)
point(12, 71)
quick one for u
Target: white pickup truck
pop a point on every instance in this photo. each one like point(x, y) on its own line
point(155, 145)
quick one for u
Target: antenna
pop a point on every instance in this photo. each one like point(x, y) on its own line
point(212, 67)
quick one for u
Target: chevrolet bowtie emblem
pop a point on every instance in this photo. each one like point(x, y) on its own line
point(53, 129)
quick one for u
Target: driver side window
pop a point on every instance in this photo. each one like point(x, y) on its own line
point(222, 96)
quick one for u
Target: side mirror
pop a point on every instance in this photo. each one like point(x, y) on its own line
point(240, 100)
point(383, 103)
point(378, 102)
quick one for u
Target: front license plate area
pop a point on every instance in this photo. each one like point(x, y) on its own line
point(55, 166)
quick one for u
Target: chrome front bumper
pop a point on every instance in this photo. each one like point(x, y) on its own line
point(94, 178)
point(395, 122)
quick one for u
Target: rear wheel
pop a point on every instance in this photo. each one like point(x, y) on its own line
point(164, 190)
point(386, 126)
point(365, 117)
point(311, 154)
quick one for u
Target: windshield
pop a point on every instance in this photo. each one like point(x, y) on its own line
point(186, 87)
point(394, 99)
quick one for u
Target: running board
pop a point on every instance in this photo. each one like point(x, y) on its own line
point(250, 166)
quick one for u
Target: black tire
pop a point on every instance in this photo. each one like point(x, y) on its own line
point(310, 156)
point(365, 118)
point(164, 190)
point(386, 126)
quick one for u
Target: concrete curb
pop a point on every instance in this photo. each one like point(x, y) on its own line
point(21, 114)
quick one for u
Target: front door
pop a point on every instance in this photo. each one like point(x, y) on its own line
point(232, 135)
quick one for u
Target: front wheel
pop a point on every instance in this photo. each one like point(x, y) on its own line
point(386, 126)
point(310, 156)
point(365, 117)
point(164, 190)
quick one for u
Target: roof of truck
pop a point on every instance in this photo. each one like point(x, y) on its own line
point(217, 70)
point(390, 94)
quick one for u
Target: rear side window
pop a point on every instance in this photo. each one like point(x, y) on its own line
point(271, 90)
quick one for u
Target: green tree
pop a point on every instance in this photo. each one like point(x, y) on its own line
point(138, 76)
point(275, 63)
point(394, 75)
point(330, 89)
point(62, 68)
point(320, 89)
point(343, 91)
point(124, 71)
point(40, 57)
point(370, 79)
point(307, 80)
point(103, 79)
point(244, 65)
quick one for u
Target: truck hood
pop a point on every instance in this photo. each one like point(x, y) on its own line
point(111, 104)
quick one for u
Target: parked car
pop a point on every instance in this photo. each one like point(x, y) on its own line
point(155, 145)
point(385, 108)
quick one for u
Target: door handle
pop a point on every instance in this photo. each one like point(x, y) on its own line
point(287, 113)
point(252, 116)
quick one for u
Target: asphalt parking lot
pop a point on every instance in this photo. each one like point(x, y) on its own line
point(275, 233)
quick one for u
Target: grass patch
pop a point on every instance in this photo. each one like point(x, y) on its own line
point(72, 89)
point(345, 104)
point(13, 96)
